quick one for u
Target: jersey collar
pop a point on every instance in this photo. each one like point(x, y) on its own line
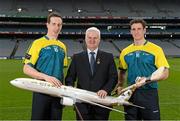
point(46, 37)
point(143, 44)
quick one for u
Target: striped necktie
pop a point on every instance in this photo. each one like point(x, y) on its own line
point(92, 62)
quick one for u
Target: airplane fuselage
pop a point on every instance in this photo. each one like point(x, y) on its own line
point(64, 91)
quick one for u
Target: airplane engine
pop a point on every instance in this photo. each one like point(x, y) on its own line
point(67, 101)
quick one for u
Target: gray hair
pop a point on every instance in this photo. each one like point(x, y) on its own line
point(94, 29)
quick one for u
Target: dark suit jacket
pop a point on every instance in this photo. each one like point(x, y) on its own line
point(105, 75)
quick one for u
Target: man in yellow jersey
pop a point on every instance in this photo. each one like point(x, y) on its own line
point(141, 59)
point(45, 60)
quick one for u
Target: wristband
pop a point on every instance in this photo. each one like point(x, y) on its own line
point(148, 79)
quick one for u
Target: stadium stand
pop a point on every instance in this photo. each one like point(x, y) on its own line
point(122, 43)
point(23, 21)
point(115, 8)
point(176, 42)
point(73, 46)
point(23, 47)
point(6, 47)
point(138, 8)
point(169, 49)
point(108, 47)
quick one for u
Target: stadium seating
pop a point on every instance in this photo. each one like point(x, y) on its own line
point(169, 49)
point(111, 17)
point(138, 8)
point(23, 47)
point(73, 46)
point(108, 47)
point(6, 47)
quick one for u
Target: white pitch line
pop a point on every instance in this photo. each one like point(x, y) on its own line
point(28, 107)
point(167, 103)
point(15, 107)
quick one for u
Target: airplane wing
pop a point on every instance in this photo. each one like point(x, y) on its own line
point(131, 104)
point(103, 106)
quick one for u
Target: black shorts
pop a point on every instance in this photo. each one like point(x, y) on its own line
point(145, 98)
point(45, 107)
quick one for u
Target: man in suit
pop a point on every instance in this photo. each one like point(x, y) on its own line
point(95, 71)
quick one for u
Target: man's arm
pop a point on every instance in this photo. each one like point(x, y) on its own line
point(30, 71)
point(122, 76)
point(71, 73)
point(161, 73)
point(121, 80)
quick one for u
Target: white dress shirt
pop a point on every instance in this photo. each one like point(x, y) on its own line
point(89, 55)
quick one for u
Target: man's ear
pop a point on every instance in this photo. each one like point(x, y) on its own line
point(131, 31)
point(47, 24)
point(144, 30)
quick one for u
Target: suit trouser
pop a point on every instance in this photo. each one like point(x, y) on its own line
point(146, 98)
point(91, 112)
point(45, 107)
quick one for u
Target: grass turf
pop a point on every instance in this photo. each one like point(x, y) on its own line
point(15, 104)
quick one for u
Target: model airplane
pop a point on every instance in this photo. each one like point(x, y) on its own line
point(71, 95)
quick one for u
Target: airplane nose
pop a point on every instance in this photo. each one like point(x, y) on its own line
point(13, 82)
point(18, 82)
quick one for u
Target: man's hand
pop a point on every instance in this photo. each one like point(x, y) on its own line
point(102, 93)
point(119, 90)
point(140, 81)
point(53, 81)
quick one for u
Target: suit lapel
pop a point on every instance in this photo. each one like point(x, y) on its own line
point(86, 61)
point(98, 61)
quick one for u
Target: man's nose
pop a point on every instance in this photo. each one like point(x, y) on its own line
point(57, 26)
point(136, 31)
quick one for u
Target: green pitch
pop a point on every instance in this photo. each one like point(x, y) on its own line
point(15, 104)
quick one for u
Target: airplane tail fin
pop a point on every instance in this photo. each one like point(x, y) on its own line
point(125, 96)
point(132, 87)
